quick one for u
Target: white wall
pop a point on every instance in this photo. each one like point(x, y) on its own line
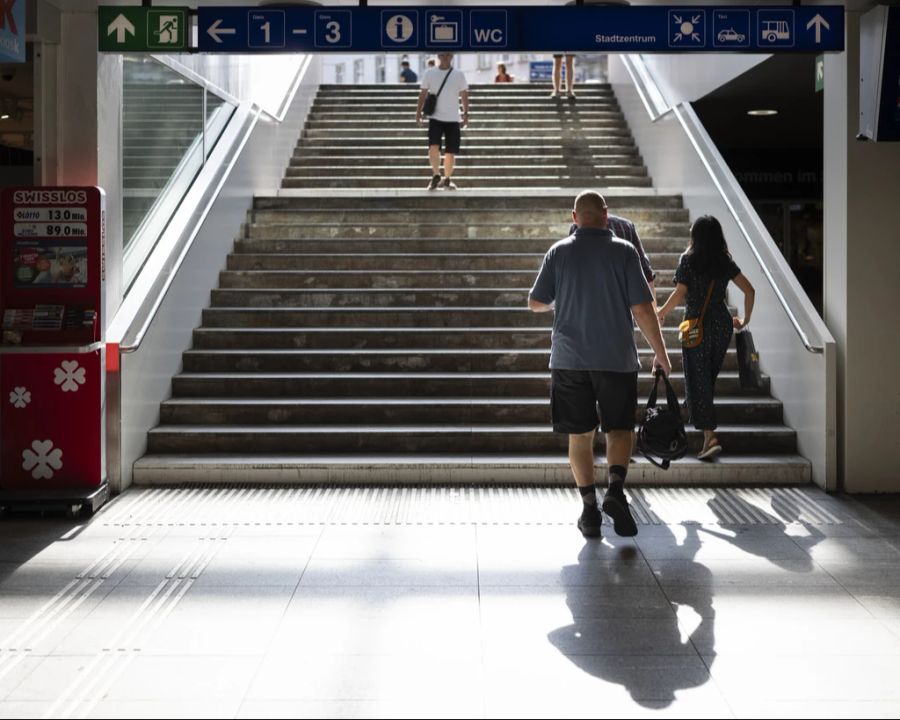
point(862, 254)
point(685, 78)
point(263, 79)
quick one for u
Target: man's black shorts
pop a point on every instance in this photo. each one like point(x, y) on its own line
point(576, 394)
point(438, 129)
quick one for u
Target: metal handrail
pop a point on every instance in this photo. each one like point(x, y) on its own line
point(254, 116)
point(145, 327)
point(706, 152)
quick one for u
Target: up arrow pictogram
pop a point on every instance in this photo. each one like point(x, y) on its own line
point(819, 22)
point(120, 26)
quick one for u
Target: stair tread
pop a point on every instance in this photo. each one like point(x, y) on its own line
point(400, 375)
point(462, 459)
point(330, 352)
point(318, 429)
point(406, 401)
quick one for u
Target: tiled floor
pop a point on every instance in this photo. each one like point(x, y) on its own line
point(390, 603)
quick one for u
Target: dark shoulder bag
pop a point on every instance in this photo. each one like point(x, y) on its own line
point(431, 101)
point(662, 434)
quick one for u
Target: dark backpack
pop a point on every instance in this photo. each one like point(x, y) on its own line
point(662, 434)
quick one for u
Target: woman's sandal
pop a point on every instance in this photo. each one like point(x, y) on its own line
point(710, 449)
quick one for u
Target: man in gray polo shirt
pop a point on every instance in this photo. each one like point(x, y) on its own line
point(594, 283)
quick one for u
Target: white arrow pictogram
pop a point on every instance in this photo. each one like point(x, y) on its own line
point(819, 22)
point(215, 30)
point(120, 26)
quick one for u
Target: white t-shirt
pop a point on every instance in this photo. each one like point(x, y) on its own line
point(448, 100)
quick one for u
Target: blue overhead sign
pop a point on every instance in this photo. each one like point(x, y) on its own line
point(12, 30)
point(645, 29)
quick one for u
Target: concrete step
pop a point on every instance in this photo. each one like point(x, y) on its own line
point(348, 279)
point(448, 338)
point(510, 183)
point(453, 228)
point(481, 151)
point(557, 203)
point(224, 296)
point(652, 246)
point(475, 89)
point(413, 360)
point(493, 131)
point(472, 160)
point(466, 170)
point(514, 438)
point(446, 468)
point(586, 141)
point(378, 297)
point(454, 215)
point(408, 411)
point(325, 279)
point(402, 384)
point(485, 111)
point(354, 316)
point(491, 105)
point(380, 317)
point(405, 122)
point(386, 262)
point(459, 228)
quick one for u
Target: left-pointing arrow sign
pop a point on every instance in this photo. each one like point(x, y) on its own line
point(120, 26)
point(216, 29)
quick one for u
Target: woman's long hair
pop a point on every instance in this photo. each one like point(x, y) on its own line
point(708, 250)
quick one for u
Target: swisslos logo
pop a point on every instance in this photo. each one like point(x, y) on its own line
point(51, 197)
point(6, 16)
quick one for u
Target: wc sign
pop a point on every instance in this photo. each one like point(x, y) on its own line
point(488, 28)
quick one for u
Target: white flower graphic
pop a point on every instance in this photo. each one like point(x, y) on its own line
point(69, 375)
point(42, 459)
point(20, 397)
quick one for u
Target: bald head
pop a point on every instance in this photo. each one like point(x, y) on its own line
point(590, 210)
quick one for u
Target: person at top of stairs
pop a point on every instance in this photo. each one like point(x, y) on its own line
point(450, 86)
point(593, 283)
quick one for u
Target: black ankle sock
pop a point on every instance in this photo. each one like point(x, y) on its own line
point(588, 494)
point(617, 475)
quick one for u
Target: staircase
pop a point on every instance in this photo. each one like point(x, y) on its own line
point(365, 330)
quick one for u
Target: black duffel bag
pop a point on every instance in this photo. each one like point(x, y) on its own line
point(661, 434)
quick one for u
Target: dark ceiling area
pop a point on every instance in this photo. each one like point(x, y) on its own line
point(774, 157)
point(783, 82)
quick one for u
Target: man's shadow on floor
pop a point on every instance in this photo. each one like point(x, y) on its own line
point(652, 669)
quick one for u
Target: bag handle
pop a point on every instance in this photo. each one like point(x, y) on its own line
point(671, 397)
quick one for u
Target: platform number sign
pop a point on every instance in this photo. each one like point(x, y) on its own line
point(334, 29)
point(266, 29)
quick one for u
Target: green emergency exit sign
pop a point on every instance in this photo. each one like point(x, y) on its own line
point(820, 73)
point(143, 29)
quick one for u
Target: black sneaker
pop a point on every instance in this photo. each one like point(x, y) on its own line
point(590, 521)
point(435, 181)
point(615, 505)
point(448, 184)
